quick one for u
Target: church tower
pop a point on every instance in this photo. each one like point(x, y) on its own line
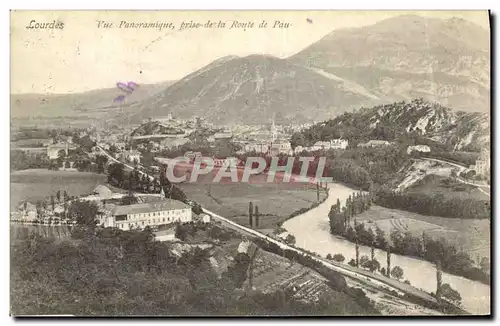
point(162, 194)
point(274, 132)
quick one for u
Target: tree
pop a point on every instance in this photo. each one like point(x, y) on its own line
point(388, 273)
point(115, 173)
point(52, 203)
point(250, 212)
point(439, 280)
point(39, 210)
point(380, 240)
point(290, 239)
point(129, 199)
point(372, 265)
point(61, 155)
point(397, 272)
point(383, 271)
point(485, 265)
point(58, 195)
point(67, 164)
point(447, 292)
point(357, 252)
point(66, 197)
point(257, 216)
point(363, 260)
point(352, 263)
point(101, 161)
point(339, 258)
point(329, 257)
point(85, 213)
point(180, 232)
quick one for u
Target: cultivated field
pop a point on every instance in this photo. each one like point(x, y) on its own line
point(39, 184)
point(470, 235)
point(276, 201)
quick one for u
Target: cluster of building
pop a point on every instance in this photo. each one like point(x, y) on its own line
point(324, 145)
point(375, 143)
point(483, 164)
point(151, 210)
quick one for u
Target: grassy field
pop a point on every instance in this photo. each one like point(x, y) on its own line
point(470, 235)
point(434, 184)
point(38, 184)
point(276, 201)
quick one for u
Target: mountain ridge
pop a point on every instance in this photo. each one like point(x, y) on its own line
point(417, 120)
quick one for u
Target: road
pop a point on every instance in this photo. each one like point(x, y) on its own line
point(381, 282)
point(125, 164)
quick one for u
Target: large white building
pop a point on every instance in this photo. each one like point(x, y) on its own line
point(138, 216)
point(376, 143)
point(53, 150)
point(332, 144)
point(419, 148)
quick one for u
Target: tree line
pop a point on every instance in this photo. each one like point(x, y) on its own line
point(434, 204)
point(139, 182)
point(433, 250)
point(340, 216)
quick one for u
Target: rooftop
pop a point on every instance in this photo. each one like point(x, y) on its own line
point(153, 206)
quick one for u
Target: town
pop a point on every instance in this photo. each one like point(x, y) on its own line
point(335, 180)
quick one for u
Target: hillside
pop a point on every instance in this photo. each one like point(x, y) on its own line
point(407, 57)
point(54, 105)
point(251, 90)
point(417, 121)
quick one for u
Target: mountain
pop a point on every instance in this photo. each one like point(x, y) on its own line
point(53, 105)
point(252, 89)
point(418, 121)
point(397, 59)
point(408, 57)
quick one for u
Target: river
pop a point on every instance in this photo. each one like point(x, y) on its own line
point(312, 232)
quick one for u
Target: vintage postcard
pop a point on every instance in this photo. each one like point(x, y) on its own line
point(250, 163)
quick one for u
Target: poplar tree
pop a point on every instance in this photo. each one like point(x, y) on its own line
point(250, 212)
point(256, 216)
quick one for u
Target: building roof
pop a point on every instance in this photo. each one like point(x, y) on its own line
point(29, 206)
point(376, 141)
point(103, 191)
point(155, 206)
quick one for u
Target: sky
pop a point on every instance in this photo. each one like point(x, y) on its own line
point(82, 56)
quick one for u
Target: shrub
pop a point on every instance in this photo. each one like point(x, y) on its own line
point(339, 258)
point(447, 292)
point(397, 272)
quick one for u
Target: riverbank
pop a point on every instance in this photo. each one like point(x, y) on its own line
point(312, 232)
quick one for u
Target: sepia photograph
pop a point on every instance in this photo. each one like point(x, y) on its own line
point(250, 163)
